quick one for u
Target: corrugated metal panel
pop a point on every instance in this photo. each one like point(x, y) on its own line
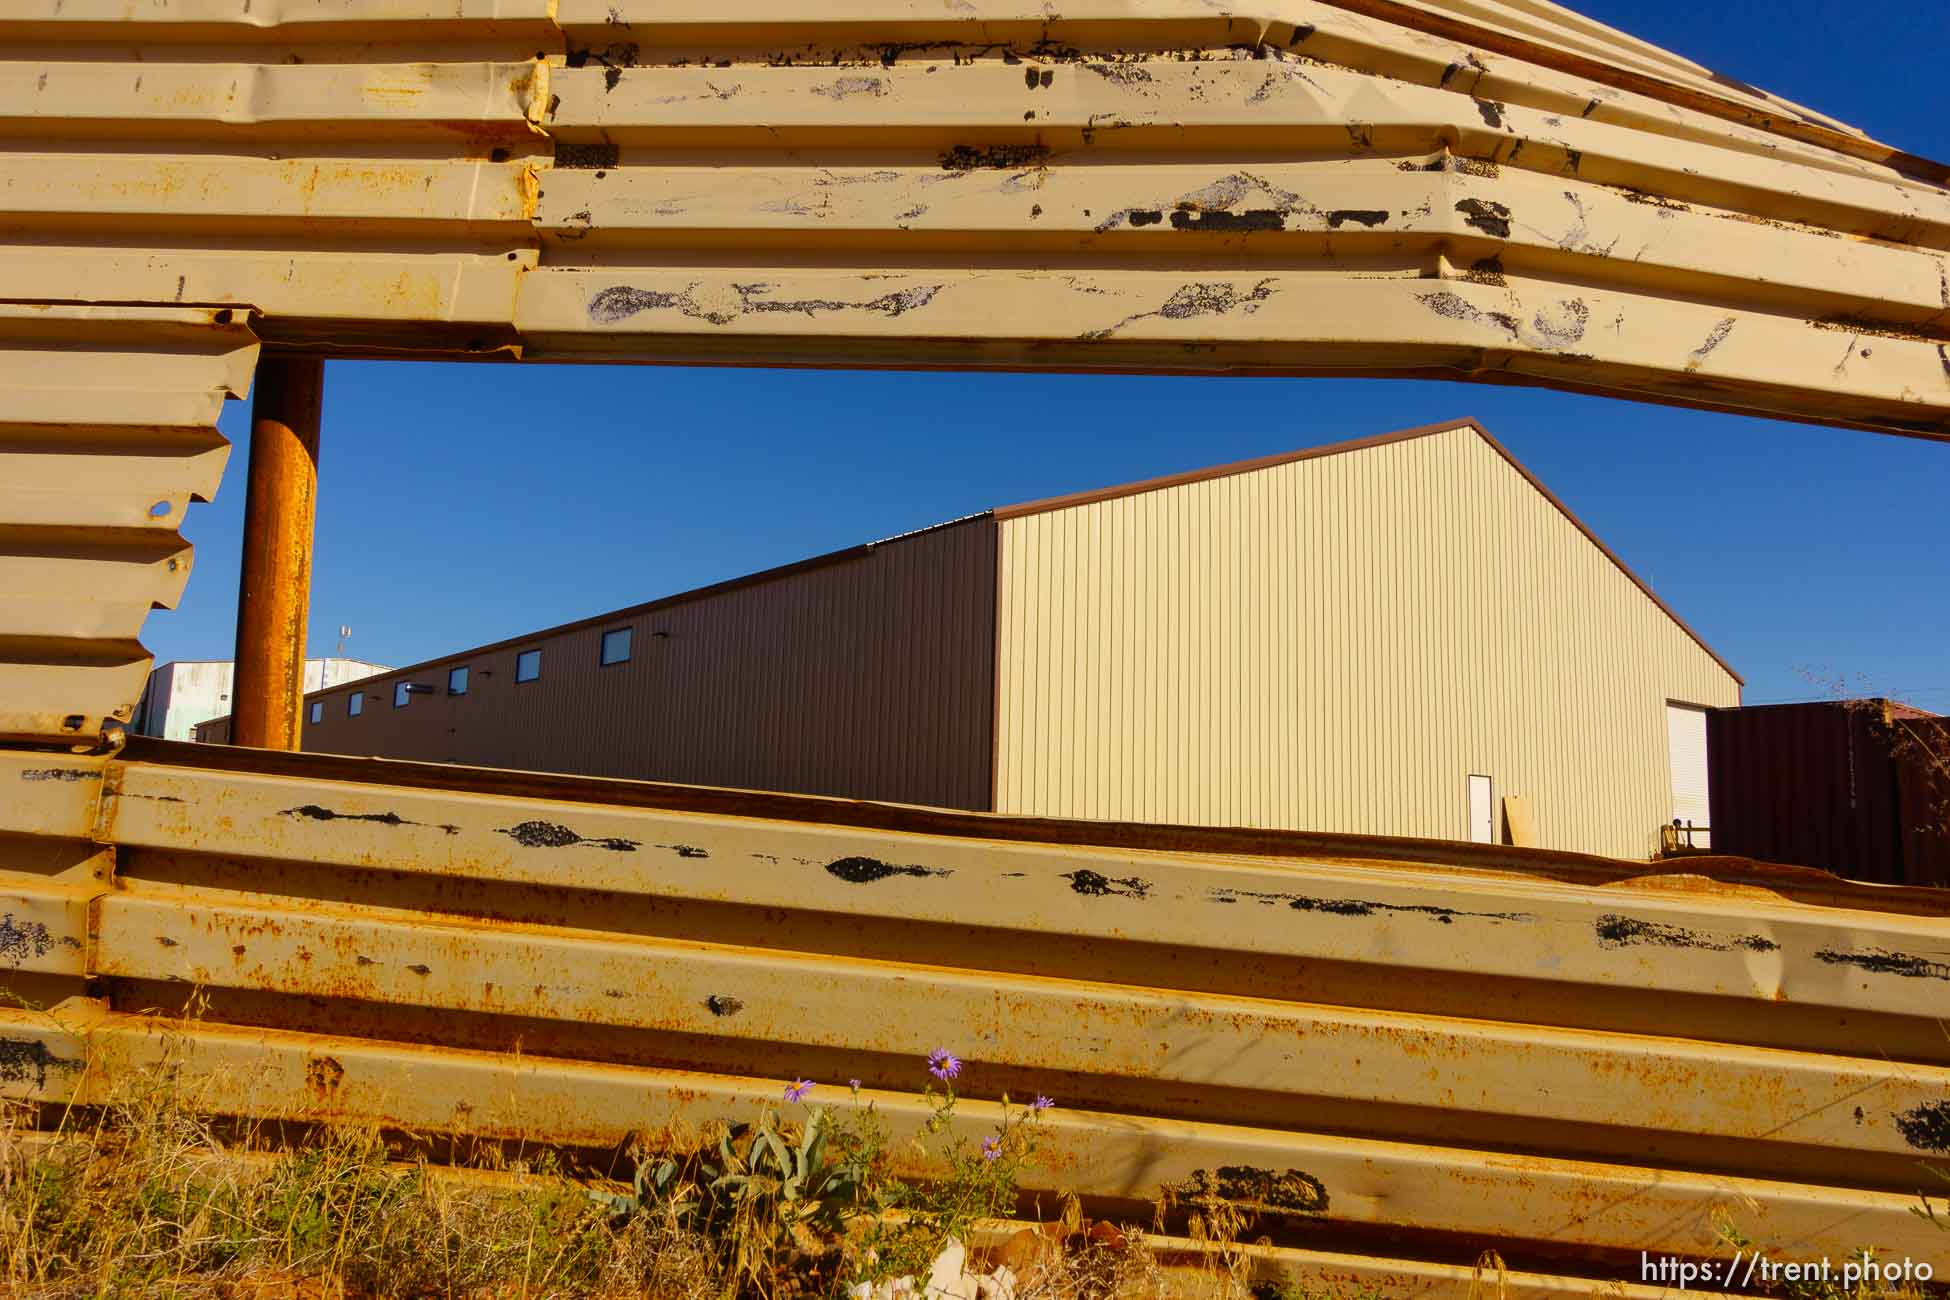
point(1823, 784)
point(1628, 1059)
point(394, 180)
point(1806, 784)
point(1485, 191)
point(1922, 753)
point(869, 676)
point(1337, 644)
point(107, 433)
point(360, 172)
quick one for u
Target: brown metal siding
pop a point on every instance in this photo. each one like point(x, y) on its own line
point(1817, 785)
point(1923, 793)
point(869, 676)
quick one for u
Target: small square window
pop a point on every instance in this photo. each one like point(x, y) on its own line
point(317, 711)
point(456, 681)
point(616, 646)
point(355, 704)
point(528, 665)
point(401, 695)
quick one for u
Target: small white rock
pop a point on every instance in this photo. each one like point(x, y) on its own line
point(948, 1279)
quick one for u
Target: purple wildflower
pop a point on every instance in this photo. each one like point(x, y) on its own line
point(853, 1084)
point(797, 1091)
point(991, 1148)
point(943, 1064)
point(1041, 1103)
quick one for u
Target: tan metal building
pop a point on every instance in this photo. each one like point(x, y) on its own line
point(1392, 636)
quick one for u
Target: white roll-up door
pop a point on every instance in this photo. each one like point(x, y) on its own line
point(1686, 743)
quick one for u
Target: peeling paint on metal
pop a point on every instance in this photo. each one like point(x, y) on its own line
point(620, 302)
point(1094, 884)
point(27, 1061)
point(1615, 931)
point(1882, 962)
point(552, 835)
point(1927, 1127)
point(21, 940)
point(864, 871)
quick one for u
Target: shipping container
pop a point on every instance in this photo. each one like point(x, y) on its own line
point(1856, 787)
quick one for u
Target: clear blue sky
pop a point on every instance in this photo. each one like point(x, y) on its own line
point(463, 504)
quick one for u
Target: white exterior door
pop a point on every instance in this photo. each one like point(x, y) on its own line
point(1686, 743)
point(1482, 811)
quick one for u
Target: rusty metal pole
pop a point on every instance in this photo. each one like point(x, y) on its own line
point(274, 589)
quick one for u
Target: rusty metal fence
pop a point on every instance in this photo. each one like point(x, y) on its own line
point(1399, 1052)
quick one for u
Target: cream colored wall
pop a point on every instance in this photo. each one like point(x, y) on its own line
point(1336, 644)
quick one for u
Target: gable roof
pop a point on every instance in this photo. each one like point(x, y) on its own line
point(1362, 444)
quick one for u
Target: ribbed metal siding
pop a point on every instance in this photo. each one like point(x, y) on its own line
point(1820, 784)
point(604, 178)
point(1923, 790)
point(869, 677)
point(1452, 1053)
point(1336, 644)
point(107, 432)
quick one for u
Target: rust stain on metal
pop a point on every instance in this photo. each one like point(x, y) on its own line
point(274, 590)
point(323, 1075)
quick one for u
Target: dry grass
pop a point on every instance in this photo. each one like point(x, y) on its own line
point(145, 1197)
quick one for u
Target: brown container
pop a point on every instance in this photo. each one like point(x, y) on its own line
point(1846, 786)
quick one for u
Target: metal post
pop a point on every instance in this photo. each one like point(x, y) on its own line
point(274, 589)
